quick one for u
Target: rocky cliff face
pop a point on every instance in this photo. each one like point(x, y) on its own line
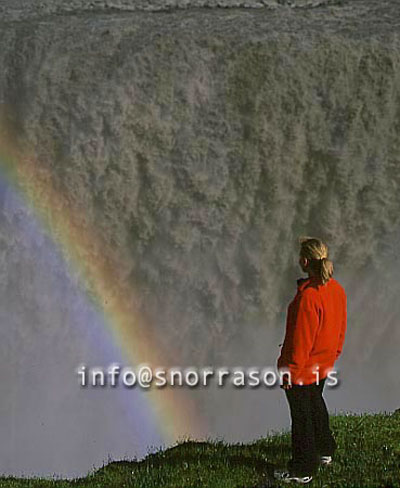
point(200, 143)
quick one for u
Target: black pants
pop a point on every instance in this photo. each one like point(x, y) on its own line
point(311, 435)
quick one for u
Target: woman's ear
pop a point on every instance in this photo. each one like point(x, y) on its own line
point(303, 262)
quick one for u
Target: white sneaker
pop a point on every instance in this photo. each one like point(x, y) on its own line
point(286, 477)
point(325, 460)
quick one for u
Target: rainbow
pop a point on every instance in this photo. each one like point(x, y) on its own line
point(86, 254)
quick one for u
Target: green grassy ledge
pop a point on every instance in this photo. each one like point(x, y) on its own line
point(368, 456)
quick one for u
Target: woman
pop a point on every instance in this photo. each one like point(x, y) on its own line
point(315, 330)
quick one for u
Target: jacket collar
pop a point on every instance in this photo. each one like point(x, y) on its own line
point(304, 282)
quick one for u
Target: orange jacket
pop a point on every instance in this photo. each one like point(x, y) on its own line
point(315, 328)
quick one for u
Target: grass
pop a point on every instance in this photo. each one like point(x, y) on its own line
point(368, 456)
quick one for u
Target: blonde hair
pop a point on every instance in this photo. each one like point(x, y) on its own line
point(316, 251)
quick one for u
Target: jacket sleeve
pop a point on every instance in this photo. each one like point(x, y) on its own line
point(306, 322)
point(343, 328)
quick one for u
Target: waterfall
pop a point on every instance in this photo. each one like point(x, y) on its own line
point(199, 143)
